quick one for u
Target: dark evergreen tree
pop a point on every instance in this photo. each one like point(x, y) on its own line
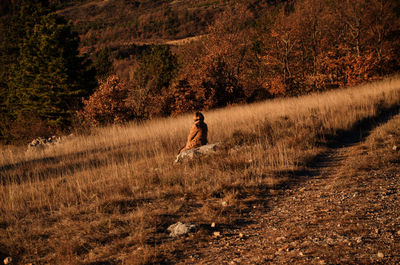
point(157, 68)
point(103, 63)
point(42, 72)
point(21, 19)
point(4, 7)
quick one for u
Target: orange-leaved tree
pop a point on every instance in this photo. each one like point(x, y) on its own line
point(108, 104)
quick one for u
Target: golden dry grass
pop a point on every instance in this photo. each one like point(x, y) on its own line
point(109, 196)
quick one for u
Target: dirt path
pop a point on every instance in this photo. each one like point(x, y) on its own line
point(329, 218)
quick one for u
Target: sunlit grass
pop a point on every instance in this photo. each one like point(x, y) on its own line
point(119, 186)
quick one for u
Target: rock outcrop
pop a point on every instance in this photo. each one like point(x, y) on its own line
point(196, 152)
point(42, 142)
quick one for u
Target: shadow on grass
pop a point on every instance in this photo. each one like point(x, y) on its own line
point(342, 138)
point(57, 166)
point(361, 129)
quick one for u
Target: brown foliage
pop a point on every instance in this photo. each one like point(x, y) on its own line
point(108, 104)
point(223, 68)
point(288, 49)
point(324, 44)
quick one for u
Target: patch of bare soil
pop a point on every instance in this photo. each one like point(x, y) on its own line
point(345, 211)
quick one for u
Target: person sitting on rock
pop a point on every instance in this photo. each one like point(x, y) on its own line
point(198, 133)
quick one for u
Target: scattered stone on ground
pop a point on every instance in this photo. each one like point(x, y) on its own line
point(180, 229)
point(7, 260)
point(328, 217)
point(217, 234)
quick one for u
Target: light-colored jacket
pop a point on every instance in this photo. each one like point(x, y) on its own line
point(197, 136)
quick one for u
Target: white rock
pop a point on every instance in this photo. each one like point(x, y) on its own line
point(196, 152)
point(40, 143)
point(179, 229)
point(7, 260)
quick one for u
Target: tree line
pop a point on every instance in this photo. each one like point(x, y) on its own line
point(253, 51)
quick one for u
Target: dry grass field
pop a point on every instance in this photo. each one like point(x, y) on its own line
point(107, 198)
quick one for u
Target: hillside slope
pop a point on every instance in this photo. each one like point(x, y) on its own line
point(121, 22)
point(342, 211)
point(108, 198)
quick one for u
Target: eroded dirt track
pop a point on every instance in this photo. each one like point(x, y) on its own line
point(330, 217)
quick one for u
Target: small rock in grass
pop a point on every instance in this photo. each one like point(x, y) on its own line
point(7, 260)
point(395, 148)
point(217, 234)
point(213, 224)
point(179, 229)
point(196, 152)
point(380, 255)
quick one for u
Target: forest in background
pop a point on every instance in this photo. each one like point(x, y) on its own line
point(112, 63)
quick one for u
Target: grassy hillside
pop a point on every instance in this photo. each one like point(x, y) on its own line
point(121, 22)
point(110, 196)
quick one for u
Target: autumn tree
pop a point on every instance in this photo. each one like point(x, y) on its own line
point(108, 105)
point(224, 68)
point(317, 45)
point(279, 56)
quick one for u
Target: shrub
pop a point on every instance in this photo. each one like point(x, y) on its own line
point(108, 104)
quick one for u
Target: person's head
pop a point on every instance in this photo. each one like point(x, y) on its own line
point(198, 116)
